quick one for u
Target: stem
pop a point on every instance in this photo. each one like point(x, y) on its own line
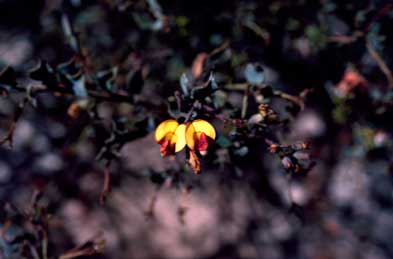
point(290, 197)
point(10, 134)
point(236, 87)
point(245, 102)
point(106, 189)
point(289, 97)
point(45, 244)
point(222, 47)
point(381, 64)
point(150, 211)
point(178, 100)
point(112, 97)
point(189, 114)
point(258, 30)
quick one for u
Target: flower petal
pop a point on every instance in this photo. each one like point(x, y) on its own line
point(180, 135)
point(194, 162)
point(164, 128)
point(190, 136)
point(205, 127)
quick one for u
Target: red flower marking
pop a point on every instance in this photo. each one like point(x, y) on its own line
point(203, 143)
point(165, 148)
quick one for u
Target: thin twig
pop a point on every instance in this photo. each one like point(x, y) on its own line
point(10, 134)
point(258, 30)
point(346, 39)
point(220, 48)
point(236, 87)
point(290, 197)
point(112, 97)
point(184, 199)
point(245, 101)
point(150, 211)
point(106, 189)
point(382, 12)
point(45, 244)
point(178, 100)
point(295, 99)
point(189, 114)
point(381, 64)
point(95, 246)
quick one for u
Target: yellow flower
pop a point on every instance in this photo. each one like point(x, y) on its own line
point(171, 136)
point(198, 134)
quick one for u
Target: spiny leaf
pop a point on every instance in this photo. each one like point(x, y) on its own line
point(185, 84)
point(135, 82)
point(79, 86)
point(70, 67)
point(106, 78)
point(8, 77)
point(208, 88)
point(43, 72)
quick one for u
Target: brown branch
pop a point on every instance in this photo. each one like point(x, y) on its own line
point(258, 30)
point(344, 39)
point(290, 197)
point(190, 112)
point(88, 248)
point(149, 213)
point(111, 97)
point(236, 87)
point(245, 101)
point(9, 136)
point(382, 12)
point(10, 133)
point(183, 208)
point(106, 189)
point(295, 99)
point(220, 48)
point(381, 64)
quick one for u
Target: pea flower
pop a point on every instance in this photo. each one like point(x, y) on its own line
point(198, 134)
point(171, 136)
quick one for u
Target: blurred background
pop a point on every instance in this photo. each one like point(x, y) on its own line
point(244, 204)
